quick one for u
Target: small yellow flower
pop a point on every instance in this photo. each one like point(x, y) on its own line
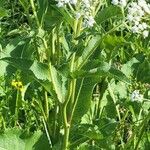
point(17, 84)
point(14, 83)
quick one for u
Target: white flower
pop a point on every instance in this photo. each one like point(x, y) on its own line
point(136, 22)
point(146, 9)
point(137, 18)
point(78, 15)
point(86, 3)
point(136, 96)
point(140, 26)
point(130, 17)
point(74, 2)
point(89, 22)
point(66, 1)
point(144, 25)
point(145, 33)
point(123, 3)
point(140, 12)
point(60, 4)
point(142, 3)
point(135, 29)
point(115, 2)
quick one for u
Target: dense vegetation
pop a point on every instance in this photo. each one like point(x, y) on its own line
point(74, 75)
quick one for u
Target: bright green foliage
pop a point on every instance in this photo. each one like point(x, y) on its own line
point(15, 139)
point(68, 83)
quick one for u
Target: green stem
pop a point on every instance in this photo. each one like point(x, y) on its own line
point(46, 108)
point(75, 102)
point(144, 124)
point(16, 108)
point(47, 133)
point(114, 100)
point(66, 129)
point(65, 117)
point(35, 13)
point(102, 88)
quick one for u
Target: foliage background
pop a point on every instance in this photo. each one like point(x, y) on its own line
point(48, 68)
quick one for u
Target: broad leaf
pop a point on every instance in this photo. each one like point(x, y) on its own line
point(59, 83)
point(40, 70)
point(84, 90)
point(108, 13)
point(119, 75)
point(11, 140)
point(66, 15)
point(88, 51)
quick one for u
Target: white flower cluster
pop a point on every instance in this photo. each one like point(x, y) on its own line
point(137, 12)
point(84, 10)
point(62, 3)
point(136, 96)
point(121, 3)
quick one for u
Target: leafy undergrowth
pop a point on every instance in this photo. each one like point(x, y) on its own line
point(74, 75)
point(17, 139)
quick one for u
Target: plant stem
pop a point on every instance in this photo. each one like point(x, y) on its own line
point(114, 101)
point(66, 129)
point(75, 102)
point(144, 125)
point(46, 108)
point(47, 133)
point(35, 13)
point(16, 108)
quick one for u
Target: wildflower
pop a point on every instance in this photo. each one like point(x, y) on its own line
point(66, 1)
point(144, 25)
point(85, 10)
point(145, 33)
point(136, 96)
point(78, 15)
point(73, 2)
point(121, 3)
point(13, 83)
point(17, 84)
point(115, 2)
point(60, 4)
point(130, 17)
point(86, 3)
point(135, 29)
point(136, 14)
point(89, 22)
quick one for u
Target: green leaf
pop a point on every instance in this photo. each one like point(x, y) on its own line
point(128, 68)
point(3, 12)
point(60, 84)
point(111, 41)
point(84, 92)
point(102, 70)
point(107, 126)
point(119, 75)
point(11, 140)
point(108, 13)
point(22, 64)
point(40, 70)
point(42, 10)
point(142, 73)
point(88, 51)
point(66, 15)
point(11, 46)
point(52, 18)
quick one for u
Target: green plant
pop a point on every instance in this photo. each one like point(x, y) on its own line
point(75, 73)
